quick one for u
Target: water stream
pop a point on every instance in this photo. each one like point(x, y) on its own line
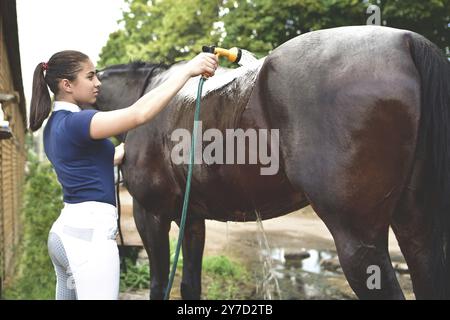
point(297, 274)
point(247, 58)
point(270, 286)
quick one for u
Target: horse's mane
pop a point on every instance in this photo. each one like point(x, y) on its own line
point(139, 64)
point(136, 65)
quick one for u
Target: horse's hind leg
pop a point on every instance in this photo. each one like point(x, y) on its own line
point(412, 227)
point(364, 257)
point(193, 245)
point(154, 232)
point(356, 188)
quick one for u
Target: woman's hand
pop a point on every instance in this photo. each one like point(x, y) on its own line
point(119, 154)
point(203, 63)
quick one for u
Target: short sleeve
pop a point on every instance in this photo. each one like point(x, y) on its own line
point(78, 126)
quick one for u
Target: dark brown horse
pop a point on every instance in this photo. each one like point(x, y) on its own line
point(364, 137)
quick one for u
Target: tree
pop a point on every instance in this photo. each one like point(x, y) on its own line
point(429, 18)
point(162, 31)
point(172, 30)
point(256, 26)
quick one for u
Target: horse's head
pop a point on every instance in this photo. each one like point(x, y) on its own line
point(122, 85)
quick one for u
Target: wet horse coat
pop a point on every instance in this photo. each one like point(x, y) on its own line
point(347, 103)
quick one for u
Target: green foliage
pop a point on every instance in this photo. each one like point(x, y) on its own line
point(429, 18)
point(161, 31)
point(222, 266)
point(256, 26)
point(225, 279)
point(136, 277)
point(35, 277)
point(222, 277)
point(171, 30)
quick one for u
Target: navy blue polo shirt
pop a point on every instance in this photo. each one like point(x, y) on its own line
point(84, 166)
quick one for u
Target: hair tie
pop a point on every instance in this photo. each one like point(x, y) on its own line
point(44, 66)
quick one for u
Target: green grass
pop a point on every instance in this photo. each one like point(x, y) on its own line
point(136, 277)
point(225, 279)
point(222, 278)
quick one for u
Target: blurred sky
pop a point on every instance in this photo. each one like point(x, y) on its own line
point(49, 26)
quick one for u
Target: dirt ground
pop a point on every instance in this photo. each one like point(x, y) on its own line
point(292, 234)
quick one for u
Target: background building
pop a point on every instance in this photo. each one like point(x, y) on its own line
point(12, 149)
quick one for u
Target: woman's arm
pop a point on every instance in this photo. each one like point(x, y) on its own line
point(111, 123)
point(119, 154)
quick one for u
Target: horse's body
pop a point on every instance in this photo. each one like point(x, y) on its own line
point(347, 103)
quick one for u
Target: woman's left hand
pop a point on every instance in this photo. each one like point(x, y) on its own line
point(119, 154)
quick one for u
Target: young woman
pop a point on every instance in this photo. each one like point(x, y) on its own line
point(82, 242)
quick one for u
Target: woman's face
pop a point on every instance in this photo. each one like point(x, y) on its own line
point(86, 86)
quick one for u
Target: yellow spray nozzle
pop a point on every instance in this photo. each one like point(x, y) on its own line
point(233, 55)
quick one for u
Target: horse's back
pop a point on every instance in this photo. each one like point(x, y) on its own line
point(347, 102)
point(326, 62)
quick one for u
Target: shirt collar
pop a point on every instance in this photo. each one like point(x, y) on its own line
point(63, 105)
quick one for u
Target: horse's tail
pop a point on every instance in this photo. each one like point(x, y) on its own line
point(434, 137)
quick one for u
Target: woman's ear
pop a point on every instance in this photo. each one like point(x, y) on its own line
point(66, 86)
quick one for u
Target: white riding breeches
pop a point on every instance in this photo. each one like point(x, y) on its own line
point(84, 252)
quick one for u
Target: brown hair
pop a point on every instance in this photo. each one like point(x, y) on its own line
point(62, 65)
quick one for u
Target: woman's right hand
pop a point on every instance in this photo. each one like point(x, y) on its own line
point(203, 63)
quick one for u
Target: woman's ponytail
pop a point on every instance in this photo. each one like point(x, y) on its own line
point(40, 99)
point(62, 65)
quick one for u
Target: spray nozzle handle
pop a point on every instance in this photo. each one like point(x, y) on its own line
point(234, 54)
point(210, 49)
